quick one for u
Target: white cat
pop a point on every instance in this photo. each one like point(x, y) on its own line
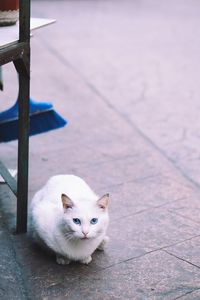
point(70, 219)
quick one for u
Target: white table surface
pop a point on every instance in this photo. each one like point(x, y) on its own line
point(10, 34)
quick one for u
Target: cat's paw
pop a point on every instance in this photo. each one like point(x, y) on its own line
point(86, 260)
point(61, 260)
point(103, 244)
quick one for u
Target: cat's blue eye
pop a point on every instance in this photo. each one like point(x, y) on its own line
point(94, 221)
point(77, 221)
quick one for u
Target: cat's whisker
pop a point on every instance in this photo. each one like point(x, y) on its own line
point(68, 239)
point(68, 235)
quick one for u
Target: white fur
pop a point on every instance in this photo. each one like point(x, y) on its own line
point(54, 226)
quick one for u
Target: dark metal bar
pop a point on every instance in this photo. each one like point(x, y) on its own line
point(24, 21)
point(8, 178)
point(23, 141)
point(13, 52)
point(22, 66)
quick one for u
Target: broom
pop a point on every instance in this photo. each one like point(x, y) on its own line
point(42, 118)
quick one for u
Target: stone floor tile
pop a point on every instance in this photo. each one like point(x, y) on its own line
point(11, 282)
point(187, 250)
point(153, 276)
point(152, 229)
point(144, 193)
point(187, 208)
point(194, 295)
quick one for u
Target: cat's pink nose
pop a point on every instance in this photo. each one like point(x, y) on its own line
point(85, 233)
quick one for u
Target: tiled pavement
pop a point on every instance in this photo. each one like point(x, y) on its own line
point(125, 75)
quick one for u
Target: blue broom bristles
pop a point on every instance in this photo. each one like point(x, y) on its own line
point(43, 118)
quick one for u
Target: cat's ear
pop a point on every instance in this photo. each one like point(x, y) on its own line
point(103, 201)
point(67, 202)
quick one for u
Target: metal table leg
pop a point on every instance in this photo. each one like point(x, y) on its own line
point(23, 67)
point(19, 53)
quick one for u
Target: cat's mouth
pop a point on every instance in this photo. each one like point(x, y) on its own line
point(85, 238)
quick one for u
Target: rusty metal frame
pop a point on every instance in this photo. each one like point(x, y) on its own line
point(19, 54)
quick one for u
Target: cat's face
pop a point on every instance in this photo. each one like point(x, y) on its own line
point(87, 219)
